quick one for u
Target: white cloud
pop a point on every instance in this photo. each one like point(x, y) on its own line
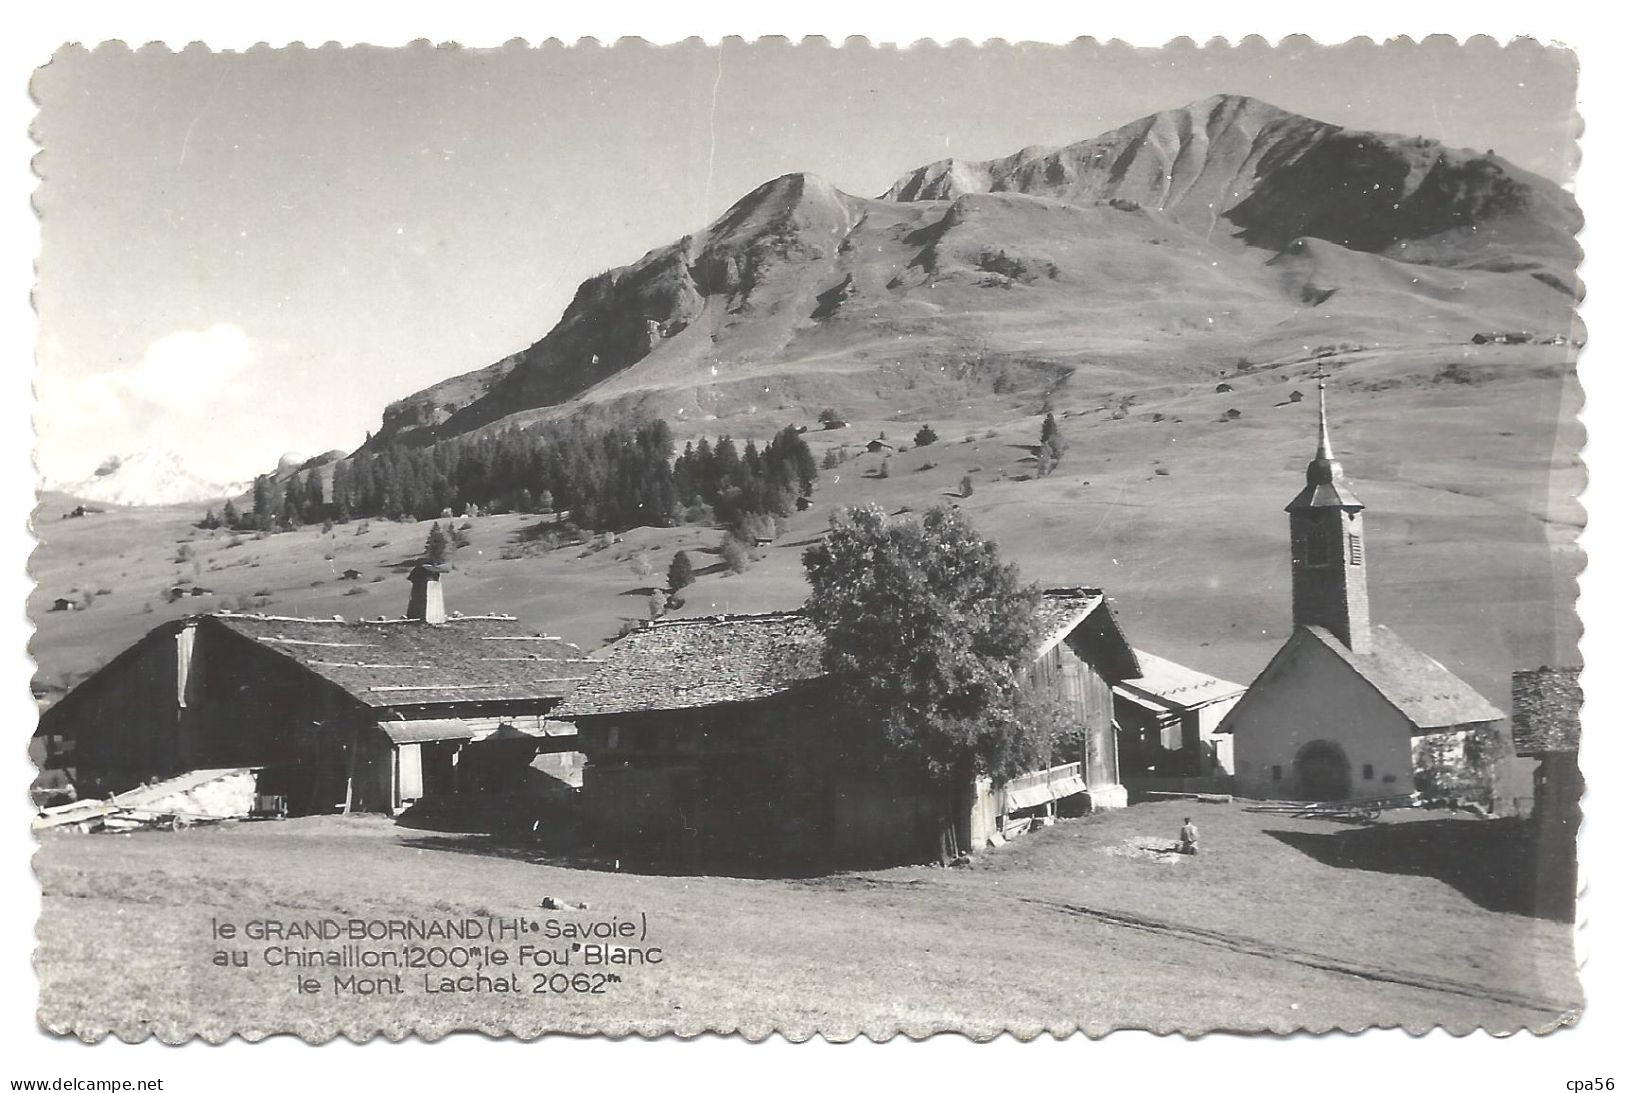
point(185, 370)
point(168, 393)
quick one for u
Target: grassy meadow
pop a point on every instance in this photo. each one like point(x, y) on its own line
point(1279, 924)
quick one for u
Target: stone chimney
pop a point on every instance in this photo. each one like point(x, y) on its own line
point(428, 602)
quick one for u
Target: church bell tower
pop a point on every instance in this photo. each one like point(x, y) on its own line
point(1328, 549)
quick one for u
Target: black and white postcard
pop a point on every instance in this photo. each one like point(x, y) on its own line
point(810, 539)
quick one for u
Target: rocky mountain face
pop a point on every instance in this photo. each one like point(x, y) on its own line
point(1241, 165)
point(1225, 228)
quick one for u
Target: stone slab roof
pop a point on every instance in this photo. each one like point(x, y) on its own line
point(404, 662)
point(675, 664)
point(1546, 710)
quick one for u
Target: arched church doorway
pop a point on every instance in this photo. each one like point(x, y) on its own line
point(1323, 772)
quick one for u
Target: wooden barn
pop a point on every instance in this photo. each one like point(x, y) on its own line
point(1167, 719)
point(338, 715)
point(718, 739)
point(1347, 709)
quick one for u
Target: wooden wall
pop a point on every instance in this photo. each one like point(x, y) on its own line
point(1070, 675)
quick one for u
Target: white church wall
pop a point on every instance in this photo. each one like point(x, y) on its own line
point(1308, 694)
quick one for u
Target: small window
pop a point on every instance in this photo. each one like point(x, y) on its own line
point(1356, 550)
point(1369, 772)
point(1321, 545)
point(1275, 774)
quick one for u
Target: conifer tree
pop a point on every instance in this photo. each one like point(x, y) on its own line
point(436, 547)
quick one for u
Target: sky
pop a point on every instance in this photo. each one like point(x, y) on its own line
point(245, 254)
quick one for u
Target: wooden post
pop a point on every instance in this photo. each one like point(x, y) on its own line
point(349, 774)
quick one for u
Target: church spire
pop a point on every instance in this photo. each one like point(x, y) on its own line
point(1328, 549)
point(1325, 451)
point(1324, 486)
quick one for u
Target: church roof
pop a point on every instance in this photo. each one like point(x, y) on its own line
point(1546, 710)
point(1334, 494)
point(1430, 695)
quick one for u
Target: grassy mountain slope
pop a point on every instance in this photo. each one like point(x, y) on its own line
point(1467, 461)
point(1223, 230)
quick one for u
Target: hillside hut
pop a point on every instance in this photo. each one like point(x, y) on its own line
point(338, 715)
point(720, 739)
point(1546, 727)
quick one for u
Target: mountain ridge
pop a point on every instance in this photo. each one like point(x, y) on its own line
point(798, 281)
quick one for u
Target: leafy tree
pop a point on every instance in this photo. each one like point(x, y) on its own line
point(681, 572)
point(926, 435)
point(735, 554)
point(931, 637)
point(436, 547)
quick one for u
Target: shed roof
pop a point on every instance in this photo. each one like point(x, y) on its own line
point(675, 664)
point(1175, 685)
point(1430, 695)
point(1546, 710)
point(408, 662)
